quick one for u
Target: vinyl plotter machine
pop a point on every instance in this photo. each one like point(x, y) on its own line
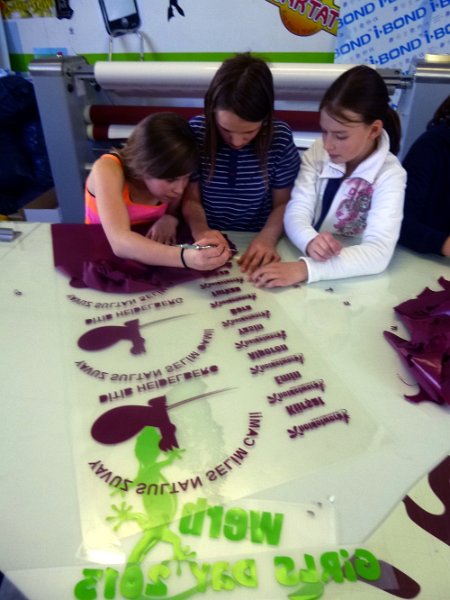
point(86, 109)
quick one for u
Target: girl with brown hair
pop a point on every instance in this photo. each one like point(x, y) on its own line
point(346, 209)
point(248, 161)
point(143, 182)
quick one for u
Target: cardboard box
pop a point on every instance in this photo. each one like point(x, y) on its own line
point(43, 209)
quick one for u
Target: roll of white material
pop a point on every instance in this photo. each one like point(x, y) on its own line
point(161, 79)
point(293, 81)
point(110, 132)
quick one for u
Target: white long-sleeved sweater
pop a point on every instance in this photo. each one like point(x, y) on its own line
point(368, 207)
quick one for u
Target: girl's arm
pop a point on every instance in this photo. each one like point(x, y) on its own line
point(284, 169)
point(106, 182)
point(195, 217)
point(374, 252)
point(192, 210)
point(376, 247)
point(372, 255)
point(298, 219)
point(262, 249)
point(303, 206)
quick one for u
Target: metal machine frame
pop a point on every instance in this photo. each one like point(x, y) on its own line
point(65, 86)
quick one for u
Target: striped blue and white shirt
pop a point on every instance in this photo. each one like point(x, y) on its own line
point(236, 197)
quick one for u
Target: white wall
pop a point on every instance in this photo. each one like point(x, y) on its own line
point(208, 26)
point(387, 33)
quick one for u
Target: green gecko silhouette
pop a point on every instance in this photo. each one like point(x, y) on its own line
point(160, 509)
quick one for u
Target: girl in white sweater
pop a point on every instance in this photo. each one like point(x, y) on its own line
point(346, 208)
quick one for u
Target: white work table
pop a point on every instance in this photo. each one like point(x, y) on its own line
point(355, 473)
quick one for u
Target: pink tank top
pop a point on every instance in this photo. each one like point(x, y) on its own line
point(138, 213)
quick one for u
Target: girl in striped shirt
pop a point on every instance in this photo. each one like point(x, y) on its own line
point(248, 162)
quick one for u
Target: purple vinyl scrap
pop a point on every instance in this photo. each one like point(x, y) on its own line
point(427, 354)
point(83, 253)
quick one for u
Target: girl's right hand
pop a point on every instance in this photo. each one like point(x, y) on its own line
point(323, 247)
point(207, 259)
point(212, 237)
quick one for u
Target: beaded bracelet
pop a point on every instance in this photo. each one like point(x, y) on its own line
point(182, 258)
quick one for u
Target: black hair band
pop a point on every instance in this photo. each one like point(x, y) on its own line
point(182, 258)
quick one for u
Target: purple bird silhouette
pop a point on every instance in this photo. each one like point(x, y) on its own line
point(124, 422)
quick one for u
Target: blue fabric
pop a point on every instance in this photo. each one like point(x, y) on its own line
point(328, 197)
point(426, 222)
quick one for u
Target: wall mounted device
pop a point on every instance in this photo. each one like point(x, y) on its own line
point(120, 16)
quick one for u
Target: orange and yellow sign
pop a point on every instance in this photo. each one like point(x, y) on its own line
point(307, 17)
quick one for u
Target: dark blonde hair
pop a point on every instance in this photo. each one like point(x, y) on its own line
point(162, 145)
point(243, 85)
point(363, 91)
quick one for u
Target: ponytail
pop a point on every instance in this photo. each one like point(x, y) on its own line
point(363, 91)
point(393, 128)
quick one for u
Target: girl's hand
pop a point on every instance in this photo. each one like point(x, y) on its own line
point(445, 250)
point(208, 258)
point(323, 247)
point(164, 230)
point(258, 253)
point(279, 274)
point(212, 237)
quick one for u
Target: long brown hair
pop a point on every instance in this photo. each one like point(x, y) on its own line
point(243, 85)
point(363, 91)
point(162, 145)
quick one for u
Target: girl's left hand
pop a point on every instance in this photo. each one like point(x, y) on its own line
point(258, 253)
point(164, 230)
point(279, 274)
point(323, 246)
